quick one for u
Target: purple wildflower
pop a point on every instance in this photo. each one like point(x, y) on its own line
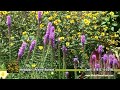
point(97, 66)
point(100, 49)
point(64, 49)
point(75, 60)
point(111, 58)
point(67, 74)
point(22, 49)
point(39, 16)
point(83, 39)
point(33, 43)
point(115, 61)
point(46, 37)
point(93, 57)
point(105, 57)
point(52, 36)
point(8, 21)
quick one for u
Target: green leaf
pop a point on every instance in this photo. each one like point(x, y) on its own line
point(112, 28)
point(114, 24)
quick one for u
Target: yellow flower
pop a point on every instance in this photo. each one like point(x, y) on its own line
point(102, 34)
point(107, 48)
point(3, 74)
point(103, 13)
point(112, 14)
point(105, 28)
point(68, 16)
point(40, 47)
point(59, 30)
point(55, 22)
point(11, 44)
point(46, 12)
point(78, 33)
point(94, 18)
point(67, 44)
point(96, 37)
point(72, 21)
point(12, 38)
point(95, 26)
point(61, 38)
point(86, 21)
point(33, 65)
point(116, 35)
point(41, 25)
point(24, 33)
point(50, 18)
point(112, 41)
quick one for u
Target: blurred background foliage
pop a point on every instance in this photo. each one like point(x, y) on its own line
point(99, 27)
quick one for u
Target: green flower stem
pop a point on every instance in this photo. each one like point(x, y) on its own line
point(59, 58)
point(9, 43)
point(64, 65)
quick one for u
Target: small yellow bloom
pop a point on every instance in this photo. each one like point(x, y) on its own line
point(95, 26)
point(40, 47)
point(111, 13)
point(102, 34)
point(41, 25)
point(50, 18)
point(103, 13)
point(86, 21)
point(78, 33)
point(24, 33)
point(107, 48)
point(61, 38)
point(3, 74)
point(12, 38)
point(67, 44)
point(72, 21)
point(33, 65)
point(46, 12)
point(96, 37)
point(59, 30)
point(68, 16)
point(11, 44)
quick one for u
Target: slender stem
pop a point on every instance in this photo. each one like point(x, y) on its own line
point(64, 65)
point(59, 58)
point(9, 42)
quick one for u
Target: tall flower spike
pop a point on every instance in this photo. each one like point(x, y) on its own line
point(22, 49)
point(100, 49)
point(64, 49)
point(67, 74)
point(105, 57)
point(39, 16)
point(93, 57)
point(83, 39)
point(8, 21)
point(33, 43)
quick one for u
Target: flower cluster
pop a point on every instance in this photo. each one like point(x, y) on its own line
point(22, 49)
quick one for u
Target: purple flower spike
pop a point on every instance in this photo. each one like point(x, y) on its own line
point(111, 58)
point(22, 49)
point(100, 49)
point(32, 45)
point(83, 39)
point(8, 21)
point(105, 57)
point(67, 74)
point(115, 61)
point(97, 66)
point(39, 16)
point(93, 57)
point(75, 60)
point(64, 49)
